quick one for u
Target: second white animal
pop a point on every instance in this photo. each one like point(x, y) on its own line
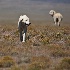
point(56, 16)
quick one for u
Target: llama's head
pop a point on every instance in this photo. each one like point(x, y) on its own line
point(24, 19)
point(52, 12)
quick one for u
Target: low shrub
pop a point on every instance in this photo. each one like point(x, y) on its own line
point(64, 64)
point(38, 63)
point(6, 61)
point(45, 40)
point(15, 68)
point(58, 53)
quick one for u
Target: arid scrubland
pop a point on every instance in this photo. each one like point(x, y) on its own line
point(46, 48)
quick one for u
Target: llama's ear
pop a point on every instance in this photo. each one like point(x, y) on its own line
point(22, 20)
point(20, 16)
point(53, 12)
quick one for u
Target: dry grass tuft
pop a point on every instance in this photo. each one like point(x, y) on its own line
point(38, 63)
point(64, 64)
point(6, 61)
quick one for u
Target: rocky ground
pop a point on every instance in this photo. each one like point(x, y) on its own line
point(46, 48)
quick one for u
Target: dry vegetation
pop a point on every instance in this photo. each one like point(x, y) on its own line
point(46, 48)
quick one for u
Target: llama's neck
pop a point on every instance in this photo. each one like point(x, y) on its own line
point(53, 14)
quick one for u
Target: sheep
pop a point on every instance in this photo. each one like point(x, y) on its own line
point(56, 16)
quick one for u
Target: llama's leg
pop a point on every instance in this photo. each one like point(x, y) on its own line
point(58, 24)
point(55, 21)
point(24, 34)
point(59, 21)
point(21, 37)
point(24, 37)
